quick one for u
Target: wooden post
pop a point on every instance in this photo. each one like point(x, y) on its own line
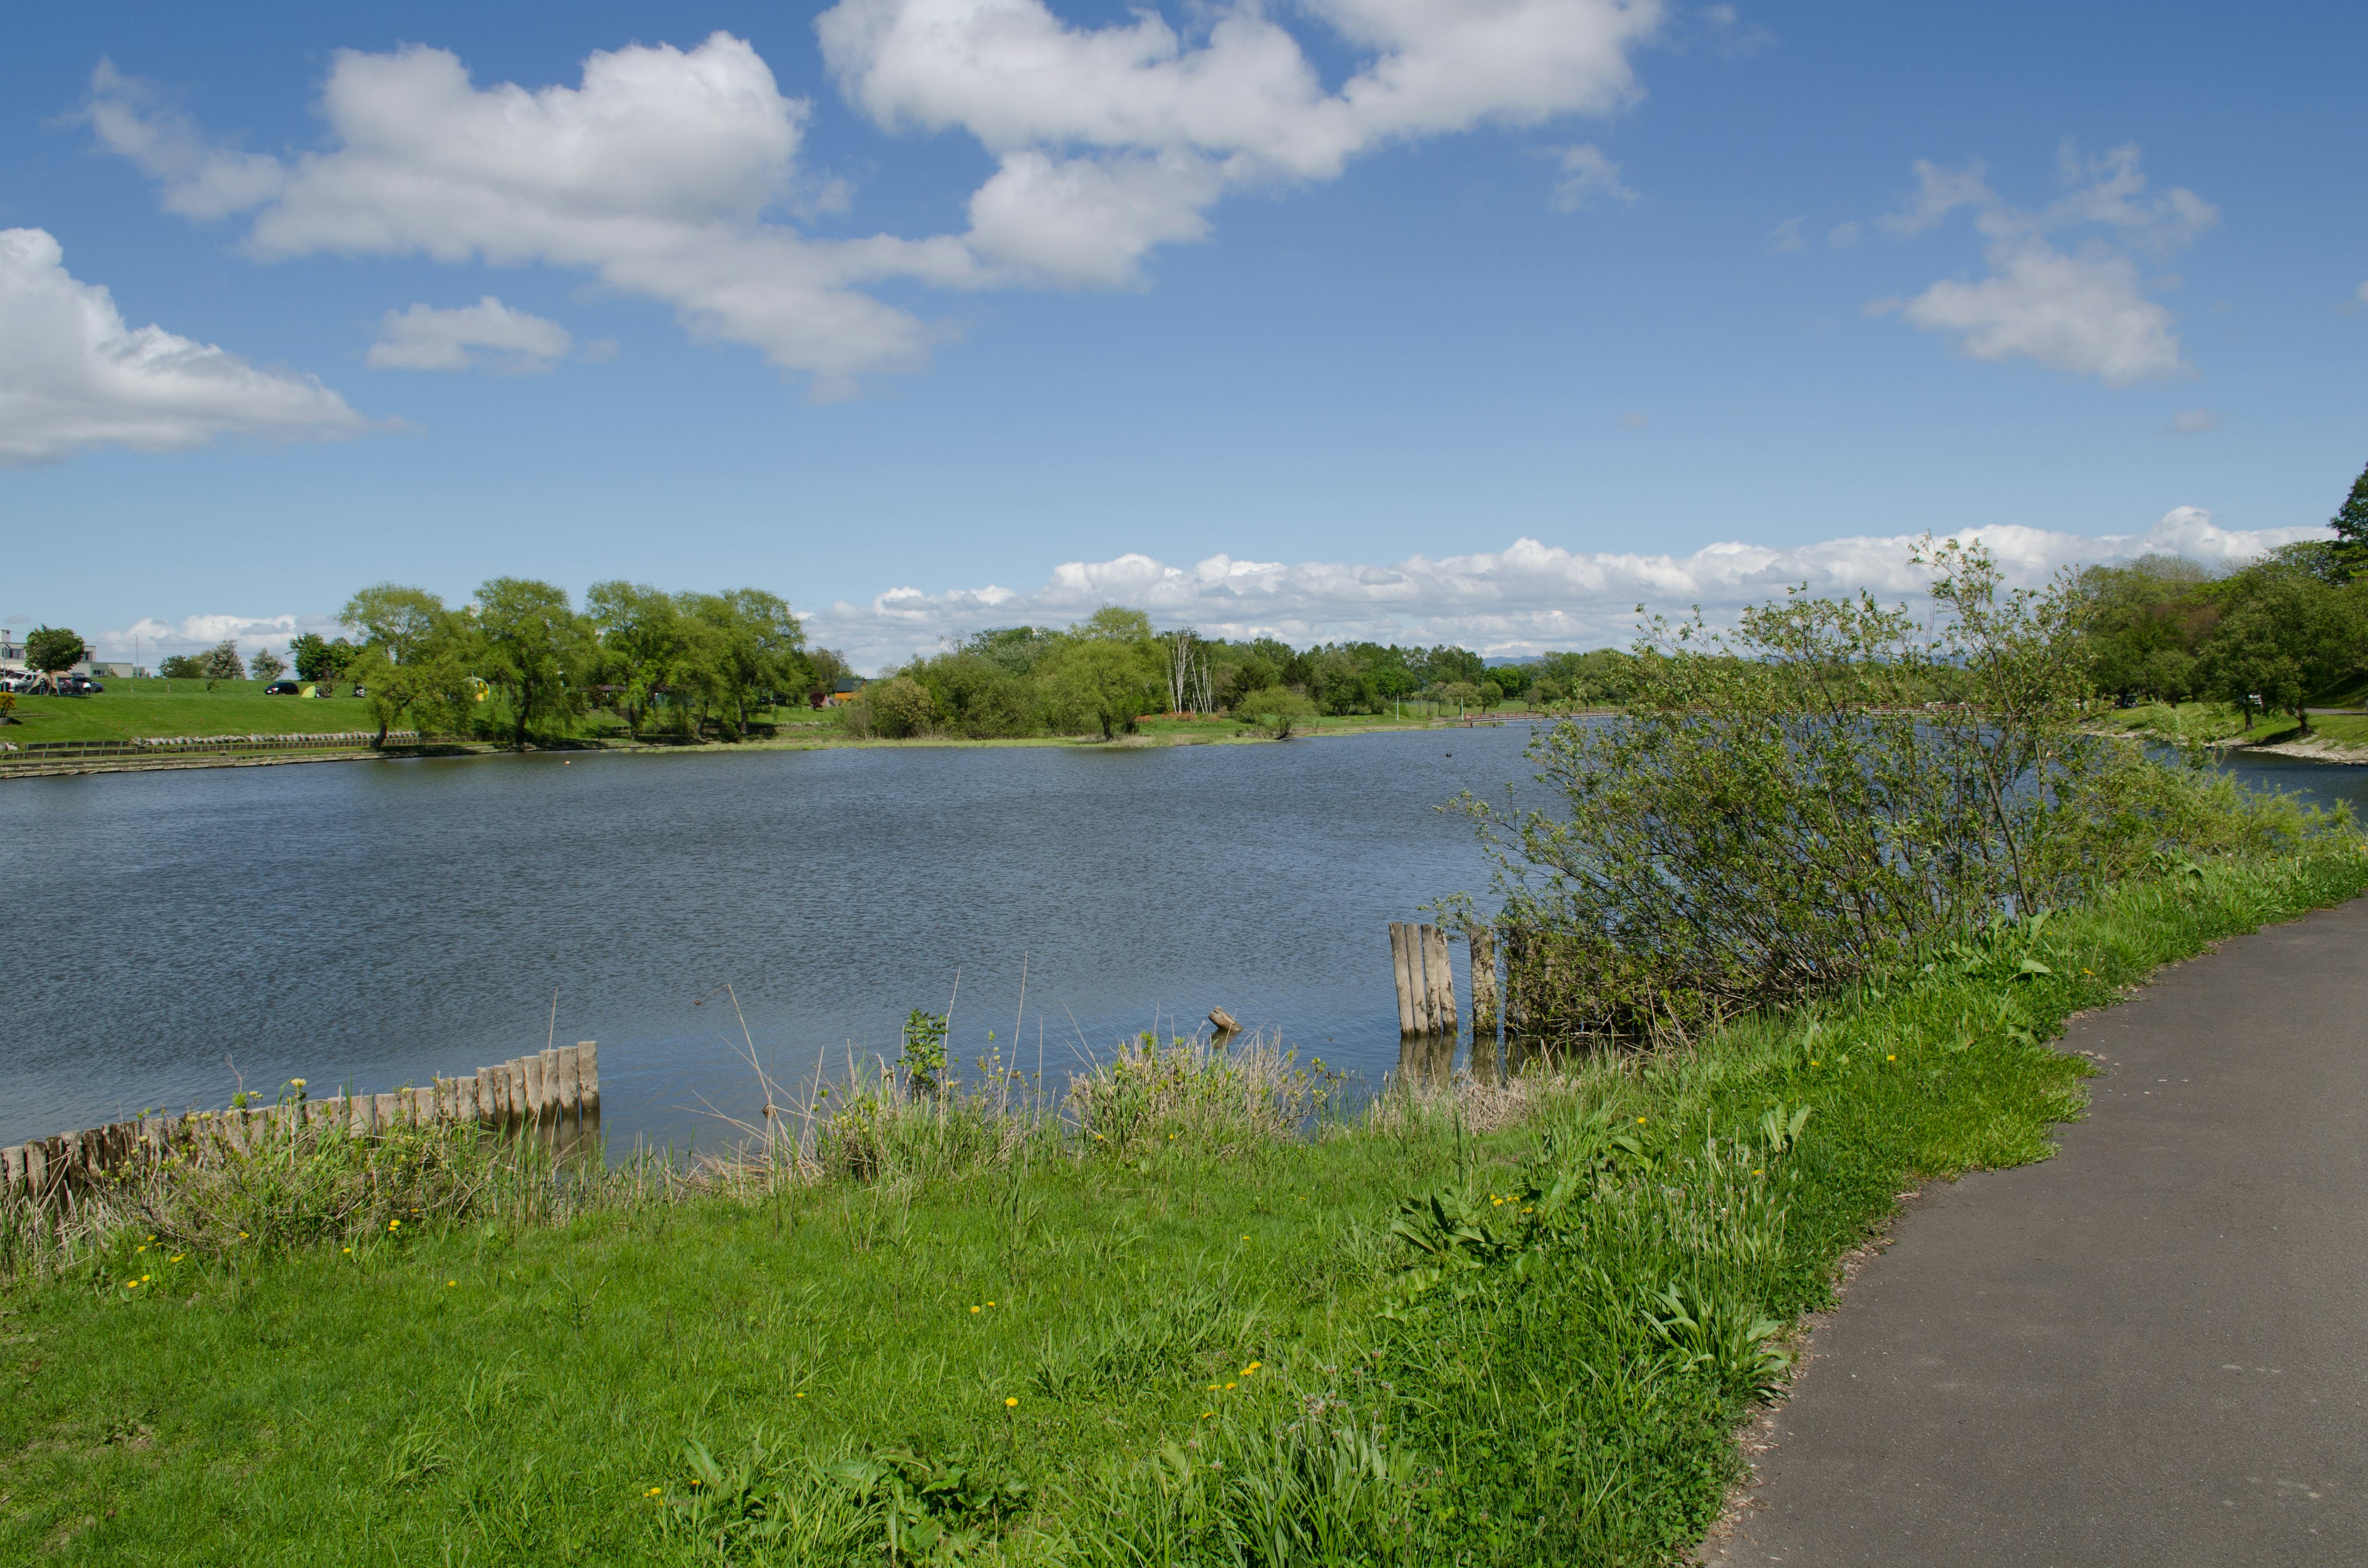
point(445, 1098)
point(1482, 940)
point(12, 1170)
point(422, 1106)
point(1401, 960)
point(389, 1112)
point(483, 1086)
point(537, 1087)
point(549, 1057)
point(362, 1115)
point(571, 1084)
point(516, 1068)
point(1438, 980)
point(36, 1171)
point(587, 1061)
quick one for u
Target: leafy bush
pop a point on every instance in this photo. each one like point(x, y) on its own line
point(1787, 807)
point(900, 708)
point(1277, 708)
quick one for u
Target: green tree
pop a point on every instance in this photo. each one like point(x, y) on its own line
point(1104, 682)
point(2144, 623)
point(900, 707)
point(318, 658)
point(222, 661)
point(267, 665)
point(411, 659)
point(643, 645)
point(2285, 634)
point(2350, 525)
point(50, 648)
point(536, 650)
point(754, 649)
point(181, 667)
point(1278, 709)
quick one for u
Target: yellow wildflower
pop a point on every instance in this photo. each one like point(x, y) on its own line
point(974, 1309)
point(1010, 1404)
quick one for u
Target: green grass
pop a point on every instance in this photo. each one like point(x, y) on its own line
point(1491, 1382)
point(2219, 722)
point(129, 709)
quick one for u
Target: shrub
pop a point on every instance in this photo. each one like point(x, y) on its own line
point(1788, 806)
point(900, 707)
point(1277, 708)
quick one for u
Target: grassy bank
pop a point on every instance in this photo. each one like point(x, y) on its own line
point(146, 708)
point(2218, 723)
point(1188, 1339)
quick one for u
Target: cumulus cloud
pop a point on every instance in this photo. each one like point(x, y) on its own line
point(1786, 235)
point(151, 638)
point(1587, 174)
point(425, 338)
point(2082, 310)
point(661, 172)
point(1531, 598)
point(74, 375)
point(2194, 422)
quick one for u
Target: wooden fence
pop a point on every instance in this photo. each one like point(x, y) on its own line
point(557, 1090)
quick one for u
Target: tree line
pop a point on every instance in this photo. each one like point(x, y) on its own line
point(2275, 636)
point(1106, 671)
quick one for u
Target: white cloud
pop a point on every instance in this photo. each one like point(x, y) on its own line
point(73, 375)
point(425, 338)
point(1786, 235)
point(152, 639)
point(2364, 293)
point(1532, 597)
point(1841, 236)
point(2084, 310)
point(2194, 422)
point(1587, 173)
point(659, 173)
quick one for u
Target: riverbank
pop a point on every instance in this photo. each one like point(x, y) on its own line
point(21, 755)
point(1047, 1345)
point(2335, 735)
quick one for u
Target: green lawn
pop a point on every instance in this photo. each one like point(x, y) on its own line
point(128, 708)
point(1013, 1360)
point(2218, 722)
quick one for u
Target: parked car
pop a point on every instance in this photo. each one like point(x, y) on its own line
point(81, 685)
point(283, 689)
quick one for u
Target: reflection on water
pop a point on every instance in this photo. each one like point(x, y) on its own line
point(181, 935)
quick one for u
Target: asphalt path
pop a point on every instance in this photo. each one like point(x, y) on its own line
point(2149, 1350)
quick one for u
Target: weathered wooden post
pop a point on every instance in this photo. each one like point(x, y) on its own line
point(1438, 982)
point(1482, 940)
point(588, 1061)
point(389, 1112)
point(36, 1171)
point(571, 1084)
point(1402, 971)
point(488, 1115)
point(516, 1069)
point(537, 1089)
point(361, 1117)
point(12, 1170)
point(423, 1105)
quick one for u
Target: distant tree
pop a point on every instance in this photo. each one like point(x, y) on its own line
point(2285, 634)
point(2350, 525)
point(1460, 695)
point(1104, 682)
point(412, 660)
point(1278, 709)
point(537, 651)
point(1016, 650)
point(826, 667)
point(50, 648)
point(642, 644)
point(181, 667)
point(317, 658)
point(1115, 623)
point(267, 665)
point(2144, 623)
point(900, 707)
point(756, 649)
point(222, 661)
point(1511, 681)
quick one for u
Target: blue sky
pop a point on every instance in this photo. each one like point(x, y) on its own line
point(1303, 320)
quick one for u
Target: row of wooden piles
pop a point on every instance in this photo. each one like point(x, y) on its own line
point(555, 1091)
point(1429, 1025)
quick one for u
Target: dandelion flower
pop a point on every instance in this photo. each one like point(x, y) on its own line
point(974, 1309)
point(1640, 1122)
point(394, 1224)
point(1010, 1404)
point(654, 1492)
point(1252, 1368)
point(1891, 1058)
point(178, 1256)
point(131, 1284)
point(1206, 1413)
point(349, 1252)
point(295, 1082)
point(451, 1284)
point(990, 1304)
point(1759, 1173)
point(1230, 1387)
point(801, 1393)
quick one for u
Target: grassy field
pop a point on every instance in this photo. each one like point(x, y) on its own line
point(2218, 722)
point(1485, 1327)
point(129, 709)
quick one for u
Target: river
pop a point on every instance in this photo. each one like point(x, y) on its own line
point(177, 936)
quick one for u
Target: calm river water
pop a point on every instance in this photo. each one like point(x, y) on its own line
point(176, 935)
